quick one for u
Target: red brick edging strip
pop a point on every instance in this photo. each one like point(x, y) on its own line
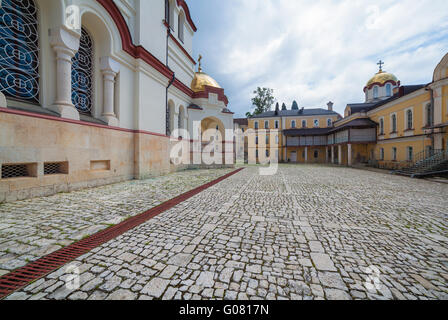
point(35, 270)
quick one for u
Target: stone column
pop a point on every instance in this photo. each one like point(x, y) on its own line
point(109, 68)
point(306, 154)
point(332, 155)
point(349, 154)
point(2, 101)
point(65, 43)
point(340, 154)
point(326, 154)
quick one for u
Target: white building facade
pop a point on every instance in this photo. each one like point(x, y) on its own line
point(91, 92)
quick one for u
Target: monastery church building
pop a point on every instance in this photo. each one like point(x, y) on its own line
point(91, 92)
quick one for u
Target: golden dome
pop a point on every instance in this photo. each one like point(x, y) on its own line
point(382, 77)
point(202, 79)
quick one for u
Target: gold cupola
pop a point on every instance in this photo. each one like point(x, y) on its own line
point(381, 77)
point(202, 79)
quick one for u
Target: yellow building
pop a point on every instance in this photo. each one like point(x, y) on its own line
point(396, 127)
point(299, 134)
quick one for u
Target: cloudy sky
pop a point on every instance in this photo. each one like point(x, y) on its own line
point(318, 50)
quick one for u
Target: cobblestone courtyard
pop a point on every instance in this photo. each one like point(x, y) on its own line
point(308, 232)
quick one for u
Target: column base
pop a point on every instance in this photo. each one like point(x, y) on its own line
point(65, 111)
point(111, 120)
point(2, 101)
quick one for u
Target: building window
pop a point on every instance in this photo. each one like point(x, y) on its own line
point(410, 153)
point(256, 124)
point(316, 154)
point(19, 50)
point(382, 126)
point(256, 153)
point(394, 123)
point(409, 120)
point(303, 123)
point(329, 123)
point(167, 11)
point(276, 124)
point(267, 139)
point(82, 74)
point(381, 153)
point(276, 139)
point(256, 140)
point(428, 112)
point(316, 123)
point(389, 90)
point(266, 124)
point(267, 153)
point(180, 26)
point(394, 154)
point(375, 92)
point(293, 124)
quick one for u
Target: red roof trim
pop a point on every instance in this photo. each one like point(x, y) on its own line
point(208, 89)
point(381, 85)
point(183, 4)
point(139, 52)
point(182, 49)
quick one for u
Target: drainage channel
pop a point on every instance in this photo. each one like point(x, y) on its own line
point(35, 270)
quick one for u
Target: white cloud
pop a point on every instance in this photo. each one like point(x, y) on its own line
point(321, 50)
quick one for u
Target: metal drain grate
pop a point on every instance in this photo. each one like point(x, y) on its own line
point(35, 270)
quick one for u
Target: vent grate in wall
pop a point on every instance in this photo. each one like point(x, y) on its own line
point(55, 168)
point(15, 171)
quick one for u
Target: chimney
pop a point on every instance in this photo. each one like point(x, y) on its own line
point(330, 106)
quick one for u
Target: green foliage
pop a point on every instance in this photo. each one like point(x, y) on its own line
point(263, 100)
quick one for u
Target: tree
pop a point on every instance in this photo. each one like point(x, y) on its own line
point(284, 106)
point(263, 100)
point(248, 115)
point(295, 106)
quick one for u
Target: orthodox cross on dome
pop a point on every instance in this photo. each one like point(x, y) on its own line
point(381, 63)
point(200, 63)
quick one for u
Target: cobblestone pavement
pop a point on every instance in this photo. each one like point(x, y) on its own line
point(33, 228)
point(309, 232)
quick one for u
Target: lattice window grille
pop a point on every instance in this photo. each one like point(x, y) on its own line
point(54, 168)
point(15, 171)
point(19, 50)
point(82, 74)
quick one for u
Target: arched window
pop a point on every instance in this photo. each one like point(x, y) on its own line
point(394, 123)
point(329, 123)
point(389, 90)
point(375, 92)
point(82, 75)
point(381, 126)
point(428, 111)
point(303, 123)
point(293, 124)
point(167, 11)
point(180, 26)
point(19, 50)
point(409, 120)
